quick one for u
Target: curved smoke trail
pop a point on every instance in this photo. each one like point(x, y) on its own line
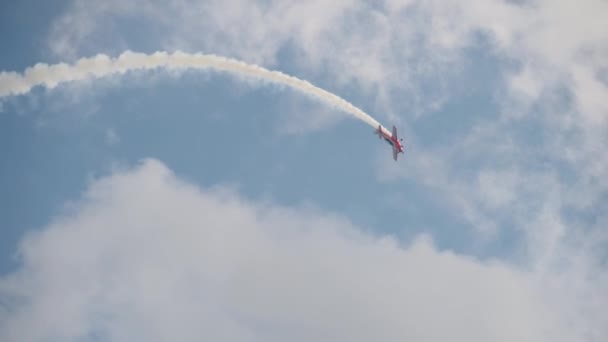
point(12, 83)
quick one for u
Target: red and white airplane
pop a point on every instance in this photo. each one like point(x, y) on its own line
point(391, 139)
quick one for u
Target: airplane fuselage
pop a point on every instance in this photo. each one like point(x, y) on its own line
point(391, 139)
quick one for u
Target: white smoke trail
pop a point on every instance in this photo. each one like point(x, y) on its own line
point(12, 83)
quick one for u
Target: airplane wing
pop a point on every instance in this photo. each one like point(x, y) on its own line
point(395, 153)
point(394, 132)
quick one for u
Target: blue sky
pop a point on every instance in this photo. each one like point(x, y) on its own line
point(250, 210)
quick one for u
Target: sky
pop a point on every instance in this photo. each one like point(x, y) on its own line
point(151, 202)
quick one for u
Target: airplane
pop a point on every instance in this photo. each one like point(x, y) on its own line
point(391, 139)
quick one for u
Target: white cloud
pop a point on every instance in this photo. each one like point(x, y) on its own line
point(497, 188)
point(145, 256)
point(354, 43)
point(385, 49)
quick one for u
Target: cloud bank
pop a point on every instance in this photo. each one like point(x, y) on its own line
point(146, 256)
